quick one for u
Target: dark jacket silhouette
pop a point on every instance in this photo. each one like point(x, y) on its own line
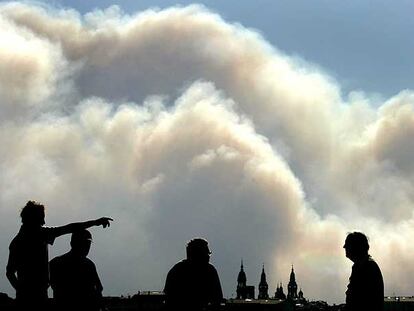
point(28, 257)
point(366, 286)
point(193, 283)
point(27, 268)
point(73, 277)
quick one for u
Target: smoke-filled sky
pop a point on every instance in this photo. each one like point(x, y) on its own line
point(179, 123)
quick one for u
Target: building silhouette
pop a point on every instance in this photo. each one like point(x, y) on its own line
point(292, 286)
point(263, 287)
point(244, 291)
point(279, 294)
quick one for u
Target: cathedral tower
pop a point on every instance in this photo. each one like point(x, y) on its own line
point(241, 283)
point(244, 291)
point(263, 287)
point(292, 286)
point(279, 294)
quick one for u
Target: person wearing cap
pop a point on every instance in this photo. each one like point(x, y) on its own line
point(193, 283)
point(27, 268)
point(366, 286)
point(73, 276)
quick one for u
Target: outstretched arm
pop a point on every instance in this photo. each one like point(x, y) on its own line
point(70, 228)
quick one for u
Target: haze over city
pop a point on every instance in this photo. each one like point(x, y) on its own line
point(183, 121)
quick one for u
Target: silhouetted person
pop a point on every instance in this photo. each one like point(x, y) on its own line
point(28, 264)
point(73, 277)
point(366, 287)
point(193, 283)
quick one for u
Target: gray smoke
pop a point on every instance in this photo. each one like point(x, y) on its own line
point(178, 124)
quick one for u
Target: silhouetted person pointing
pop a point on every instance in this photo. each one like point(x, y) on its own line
point(366, 287)
point(73, 277)
point(193, 283)
point(28, 264)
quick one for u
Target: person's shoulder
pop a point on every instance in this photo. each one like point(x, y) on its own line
point(211, 268)
point(371, 262)
point(371, 267)
point(181, 265)
point(60, 259)
point(48, 230)
point(89, 262)
point(49, 234)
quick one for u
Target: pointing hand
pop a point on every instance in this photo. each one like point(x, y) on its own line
point(104, 221)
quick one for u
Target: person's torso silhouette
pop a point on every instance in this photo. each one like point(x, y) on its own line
point(29, 257)
point(73, 277)
point(193, 283)
point(366, 286)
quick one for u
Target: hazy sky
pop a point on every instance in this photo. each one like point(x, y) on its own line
point(271, 130)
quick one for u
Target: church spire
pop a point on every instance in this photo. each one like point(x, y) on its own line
point(241, 278)
point(241, 283)
point(263, 276)
point(292, 286)
point(292, 275)
point(263, 287)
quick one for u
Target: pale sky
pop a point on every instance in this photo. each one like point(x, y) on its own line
point(271, 129)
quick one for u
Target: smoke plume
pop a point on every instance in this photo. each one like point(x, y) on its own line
point(178, 124)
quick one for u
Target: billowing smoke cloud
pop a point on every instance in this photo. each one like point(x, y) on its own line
point(178, 124)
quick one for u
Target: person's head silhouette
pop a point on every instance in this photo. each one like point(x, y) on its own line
point(33, 214)
point(356, 246)
point(198, 251)
point(81, 242)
